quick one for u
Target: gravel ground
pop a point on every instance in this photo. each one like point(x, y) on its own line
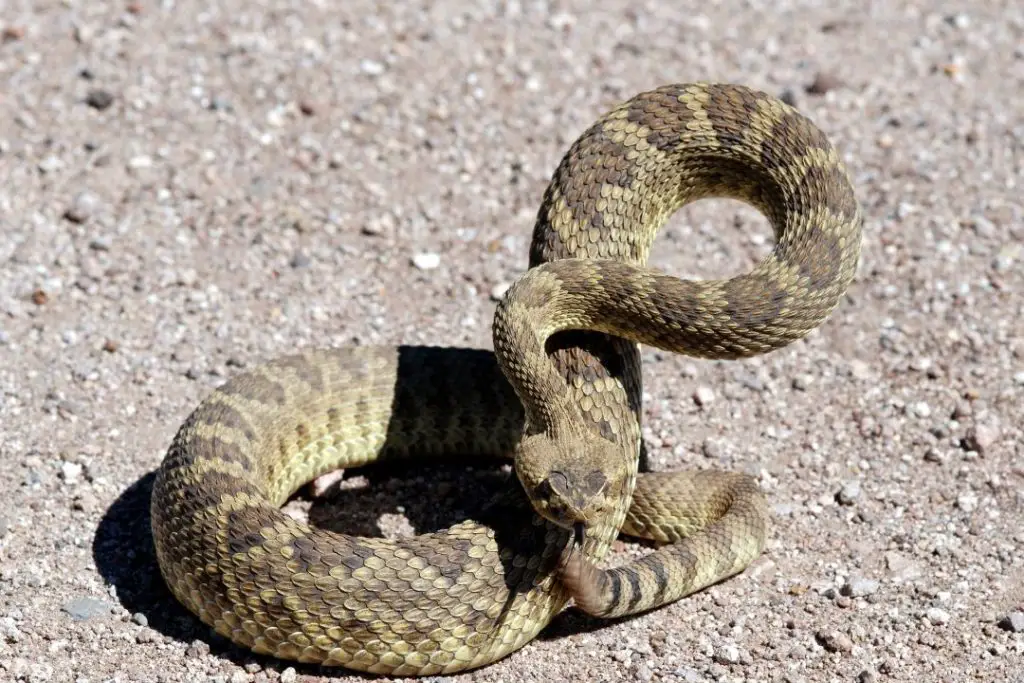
point(190, 188)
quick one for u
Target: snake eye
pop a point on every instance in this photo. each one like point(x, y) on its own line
point(557, 483)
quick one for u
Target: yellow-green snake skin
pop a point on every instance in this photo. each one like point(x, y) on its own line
point(560, 394)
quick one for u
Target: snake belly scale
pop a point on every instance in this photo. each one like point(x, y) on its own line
point(560, 394)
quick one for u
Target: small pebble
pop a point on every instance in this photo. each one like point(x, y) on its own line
point(99, 99)
point(498, 290)
point(300, 260)
point(426, 260)
point(959, 20)
point(727, 654)
point(849, 493)
point(288, 675)
point(752, 382)
point(981, 437)
point(50, 164)
point(859, 587)
point(140, 619)
point(219, 103)
point(783, 509)
point(83, 207)
point(689, 675)
point(10, 631)
point(823, 82)
point(70, 472)
point(1013, 622)
point(901, 568)
point(100, 243)
point(84, 502)
point(704, 396)
point(320, 486)
point(860, 370)
point(379, 225)
point(712, 448)
point(937, 616)
point(239, 677)
point(199, 648)
point(561, 21)
point(86, 607)
point(11, 34)
point(834, 641)
point(371, 67)
point(1004, 261)
point(968, 502)
point(802, 382)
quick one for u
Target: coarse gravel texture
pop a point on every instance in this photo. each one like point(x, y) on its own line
point(190, 188)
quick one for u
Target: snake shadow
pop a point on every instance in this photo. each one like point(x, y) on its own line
point(368, 504)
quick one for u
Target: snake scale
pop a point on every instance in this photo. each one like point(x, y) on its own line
point(560, 394)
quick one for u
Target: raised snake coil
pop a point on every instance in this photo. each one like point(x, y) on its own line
point(566, 370)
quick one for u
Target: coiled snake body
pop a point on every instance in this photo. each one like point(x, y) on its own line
point(561, 394)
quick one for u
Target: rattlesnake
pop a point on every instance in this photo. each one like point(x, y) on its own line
point(561, 393)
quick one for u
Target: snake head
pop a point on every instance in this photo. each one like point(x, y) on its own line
point(571, 484)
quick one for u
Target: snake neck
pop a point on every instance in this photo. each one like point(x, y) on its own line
point(520, 332)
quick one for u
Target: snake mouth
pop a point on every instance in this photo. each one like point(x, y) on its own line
point(579, 532)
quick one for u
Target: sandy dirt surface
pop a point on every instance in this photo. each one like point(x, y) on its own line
point(190, 188)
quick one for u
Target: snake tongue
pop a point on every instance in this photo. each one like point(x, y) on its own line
point(579, 531)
